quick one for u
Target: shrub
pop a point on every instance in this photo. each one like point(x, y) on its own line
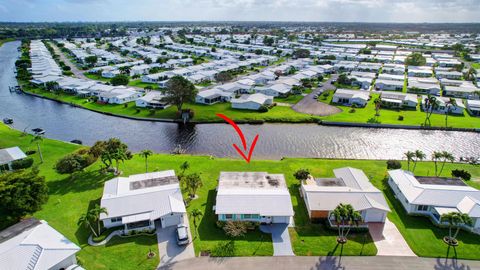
point(235, 228)
point(263, 109)
point(22, 163)
point(393, 164)
point(352, 110)
point(70, 164)
point(400, 118)
point(30, 152)
point(462, 174)
point(220, 224)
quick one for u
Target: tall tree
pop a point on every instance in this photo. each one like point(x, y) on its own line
point(410, 157)
point(179, 91)
point(95, 213)
point(301, 175)
point(419, 156)
point(415, 59)
point(84, 220)
point(451, 105)
point(446, 156)
point(196, 214)
point(145, 154)
point(436, 156)
point(430, 105)
point(37, 139)
point(345, 217)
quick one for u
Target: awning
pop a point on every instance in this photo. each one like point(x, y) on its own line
point(445, 210)
point(136, 218)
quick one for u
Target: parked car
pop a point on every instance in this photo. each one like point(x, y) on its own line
point(182, 235)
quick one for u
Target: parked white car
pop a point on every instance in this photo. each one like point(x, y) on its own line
point(182, 234)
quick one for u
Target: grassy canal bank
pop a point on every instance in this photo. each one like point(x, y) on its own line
point(70, 198)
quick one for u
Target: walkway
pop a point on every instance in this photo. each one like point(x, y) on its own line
point(391, 241)
point(310, 105)
point(104, 241)
point(324, 263)
point(168, 249)
point(282, 245)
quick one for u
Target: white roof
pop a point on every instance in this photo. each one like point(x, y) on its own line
point(253, 193)
point(256, 98)
point(431, 194)
point(350, 186)
point(151, 194)
point(36, 245)
point(8, 155)
point(346, 93)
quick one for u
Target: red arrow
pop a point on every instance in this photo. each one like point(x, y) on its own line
point(242, 137)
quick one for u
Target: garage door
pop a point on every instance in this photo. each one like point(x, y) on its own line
point(375, 216)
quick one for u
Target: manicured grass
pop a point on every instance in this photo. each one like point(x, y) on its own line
point(410, 117)
point(476, 65)
point(202, 112)
point(292, 99)
point(5, 40)
point(96, 77)
point(69, 198)
point(139, 83)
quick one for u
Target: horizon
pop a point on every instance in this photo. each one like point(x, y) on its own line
point(348, 11)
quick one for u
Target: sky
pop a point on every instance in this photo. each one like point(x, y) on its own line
point(242, 10)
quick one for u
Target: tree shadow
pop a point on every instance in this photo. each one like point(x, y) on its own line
point(82, 181)
point(328, 262)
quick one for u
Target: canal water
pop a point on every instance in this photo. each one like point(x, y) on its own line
point(67, 123)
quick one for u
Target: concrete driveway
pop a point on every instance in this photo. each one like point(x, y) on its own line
point(282, 245)
point(168, 250)
point(388, 240)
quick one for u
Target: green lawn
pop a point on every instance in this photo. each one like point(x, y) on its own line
point(202, 112)
point(70, 198)
point(476, 65)
point(139, 83)
point(5, 40)
point(410, 117)
point(96, 77)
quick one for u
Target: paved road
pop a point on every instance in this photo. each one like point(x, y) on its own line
point(77, 72)
point(324, 263)
point(282, 246)
point(388, 240)
point(309, 105)
point(168, 249)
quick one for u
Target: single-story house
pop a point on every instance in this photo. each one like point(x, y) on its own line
point(212, 96)
point(251, 102)
point(434, 196)
point(138, 201)
point(473, 107)
point(9, 155)
point(152, 99)
point(362, 82)
point(395, 69)
point(392, 85)
point(443, 106)
point(351, 97)
point(453, 75)
point(350, 186)
point(424, 86)
point(253, 196)
point(274, 90)
point(421, 71)
point(398, 100)
point(119, 95)
point(391, 77)
point(467, 92)
point(35, 245)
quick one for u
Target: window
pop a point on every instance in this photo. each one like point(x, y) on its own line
point(247, 216)
point(116, 219)
point(422, 207)
point(228, 216)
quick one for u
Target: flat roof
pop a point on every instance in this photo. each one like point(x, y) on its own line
point(251, 180)
point(153, 182)
point(330, 182)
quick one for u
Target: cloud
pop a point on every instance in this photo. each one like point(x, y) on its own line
point(249, 10)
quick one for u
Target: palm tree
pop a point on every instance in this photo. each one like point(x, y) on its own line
point(345, 217)
point(447, 156)
point(436, 156)
point(431, 104)
point(146, 153)
point(410, 156)
point(94, 214)
point(85, 221)
point(195, 214)
point(451, 104)
point(454, 220)
point(38, 139)
point(419, 155)
point(378, 103)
